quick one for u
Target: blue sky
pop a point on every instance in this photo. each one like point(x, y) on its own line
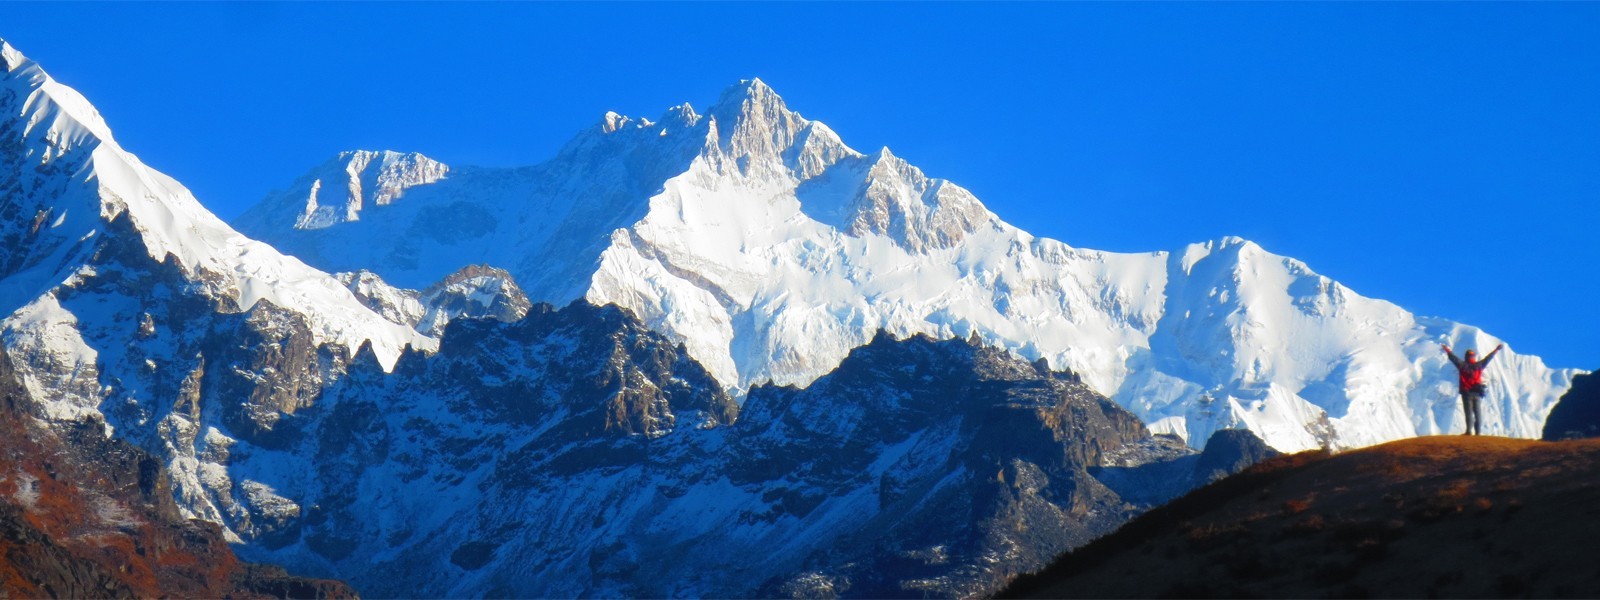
point(1445, 157)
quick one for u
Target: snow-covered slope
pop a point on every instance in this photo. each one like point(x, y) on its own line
point(771, 248)
point(71, 177)
point(126, 305)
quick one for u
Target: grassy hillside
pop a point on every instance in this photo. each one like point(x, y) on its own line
point(1446, 516)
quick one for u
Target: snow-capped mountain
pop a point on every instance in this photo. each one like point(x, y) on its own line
point(125, 304)
point(771, 249)
point(317, 421)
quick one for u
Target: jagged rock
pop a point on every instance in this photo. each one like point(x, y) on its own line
point(904, 472)
point(1577, 415)
point(1152, 472)
point(474, 291)
point(978, 464)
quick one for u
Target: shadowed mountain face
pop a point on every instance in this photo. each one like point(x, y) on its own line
point(577, 453)
point(965, 464)
point(82, 515)
point(1154, 471)
point(1577, 415)
point(1446, 516)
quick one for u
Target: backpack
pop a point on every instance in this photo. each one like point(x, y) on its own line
point(1472, 375)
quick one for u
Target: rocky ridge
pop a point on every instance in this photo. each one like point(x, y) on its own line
point(906, 472)
point(475, 291)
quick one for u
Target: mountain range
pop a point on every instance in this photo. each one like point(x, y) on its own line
point(780, 366)
point(770, 249)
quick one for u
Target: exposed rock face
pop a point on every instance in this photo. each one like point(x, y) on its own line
point(475, 291)
point(896, 200)
point(1230, 451)
point(577, 453)
point(82, 515)
point(340, 189)
point(124, 302)
point(514, 446)
point(972, 465)
point(1577, 415)
point(395, 304)
point(1154, 471)
point(186, 376)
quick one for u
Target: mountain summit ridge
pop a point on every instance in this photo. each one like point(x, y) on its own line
point(771, 248)
point(128, 308)
point(56, 128)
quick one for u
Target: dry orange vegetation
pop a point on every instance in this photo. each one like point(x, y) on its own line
point(85, 516)
point(1445, 516)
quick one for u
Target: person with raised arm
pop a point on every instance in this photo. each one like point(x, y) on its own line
point(1470, 374)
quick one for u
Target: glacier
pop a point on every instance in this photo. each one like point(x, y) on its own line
point(770, 248)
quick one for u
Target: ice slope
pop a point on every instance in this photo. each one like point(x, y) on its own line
point(51, 129)
point(771, 248)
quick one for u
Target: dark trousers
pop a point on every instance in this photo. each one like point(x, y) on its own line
point(1469, 401)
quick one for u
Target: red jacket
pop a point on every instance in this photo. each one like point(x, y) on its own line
point(1471, 373)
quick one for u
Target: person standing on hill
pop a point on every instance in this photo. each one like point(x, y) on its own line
point(1473, 388)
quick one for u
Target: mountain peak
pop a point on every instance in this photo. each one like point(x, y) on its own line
point(84, 194)
point(341, 188)
point(681, 115)
point(65, 113)
point(754, 127)
point(752, 103)
point(747, 89)
point(9, 55)
point(612, 121)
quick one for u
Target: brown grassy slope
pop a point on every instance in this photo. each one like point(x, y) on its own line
point(1445, 516)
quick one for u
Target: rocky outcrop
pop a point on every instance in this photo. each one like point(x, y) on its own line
point(1153, 471)
point(1577, 414)
point(339, 190)
point(474, 292)
point(976, 462)
point(1230, 451)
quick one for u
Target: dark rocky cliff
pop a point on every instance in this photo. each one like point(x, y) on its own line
point(1577, 415)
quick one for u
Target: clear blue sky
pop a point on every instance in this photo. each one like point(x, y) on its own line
point(1442, 156)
